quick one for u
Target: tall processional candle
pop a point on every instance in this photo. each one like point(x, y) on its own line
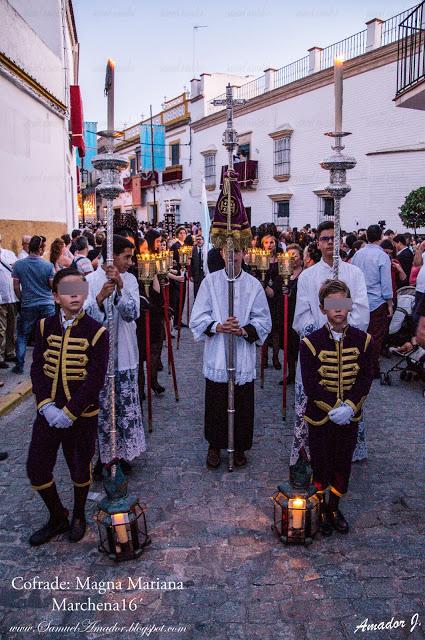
point(109, 89)
point(338, 81)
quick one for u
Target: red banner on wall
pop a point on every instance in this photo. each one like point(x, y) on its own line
point(77, 119)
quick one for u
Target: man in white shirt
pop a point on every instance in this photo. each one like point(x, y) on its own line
point(309, 318)
point(24, 253)
point(8, 308)
point(81, 261)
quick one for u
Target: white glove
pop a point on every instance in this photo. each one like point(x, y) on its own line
point(342, 414)
point(50, 412)
point(61, 421)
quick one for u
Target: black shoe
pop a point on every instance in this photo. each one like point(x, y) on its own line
point(17, 369)
point(325, 524)
point(240, 459)
point(338, 521)
point(157, 388)
point(125, 467)
point(3, 455)
point(78, 529)
point(213, 458)
point(53, 528)
point(276, 364)
point(4, 365)
point(11, 359)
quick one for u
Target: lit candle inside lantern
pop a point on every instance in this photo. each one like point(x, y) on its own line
point(110, 75)
point(118, 520)
point(298, 506)
point(338, 80)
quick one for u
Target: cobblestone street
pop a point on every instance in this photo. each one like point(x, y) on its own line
point(212, 530)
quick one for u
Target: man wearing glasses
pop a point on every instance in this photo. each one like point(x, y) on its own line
point(308, 318)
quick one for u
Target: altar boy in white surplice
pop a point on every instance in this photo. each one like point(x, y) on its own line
point(210, 322)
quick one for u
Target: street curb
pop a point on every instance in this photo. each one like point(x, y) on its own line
point(10, 400)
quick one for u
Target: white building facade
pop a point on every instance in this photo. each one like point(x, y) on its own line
point(38, 64)
point(281, 141)
point(173, 186)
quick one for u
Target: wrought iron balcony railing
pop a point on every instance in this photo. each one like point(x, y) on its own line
point(411, 50)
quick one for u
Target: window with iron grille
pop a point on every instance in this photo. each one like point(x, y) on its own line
point(132, 166)
point(175, 153)
point(326, 209)
point(282, 156)
point(138, 160)
point(281, 213)
point(210, 170)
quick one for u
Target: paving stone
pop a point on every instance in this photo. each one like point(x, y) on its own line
point(212, 530)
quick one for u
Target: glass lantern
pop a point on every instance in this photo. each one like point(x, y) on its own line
point(296, 514)
point(146, 269)
point(185, 255)
point(121, 520)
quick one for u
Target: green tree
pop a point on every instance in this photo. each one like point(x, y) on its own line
point(412, 211)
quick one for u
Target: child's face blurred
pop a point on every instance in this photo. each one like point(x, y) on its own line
point(336, 315)
point(71, 294)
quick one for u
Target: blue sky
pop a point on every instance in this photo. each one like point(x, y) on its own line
point(152, 43)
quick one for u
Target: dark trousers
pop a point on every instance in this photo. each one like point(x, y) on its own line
point(216, 415)
point(78, 445)
point(331, 450)
point(175, 299)
point(8, 313)
point(27, 320)
point(378, 329)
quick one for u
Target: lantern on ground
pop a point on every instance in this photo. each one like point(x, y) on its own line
point(296, 508)
point(121, 520)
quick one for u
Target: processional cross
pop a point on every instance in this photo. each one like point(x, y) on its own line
point(230, 142)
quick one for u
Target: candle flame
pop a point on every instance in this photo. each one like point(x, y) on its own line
point(298, 503)
point(339, 60)
point(111, 63)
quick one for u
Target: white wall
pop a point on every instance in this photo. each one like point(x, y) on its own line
point(33, 160)
point(26, 48)
point(38, 167)
point(379, 182)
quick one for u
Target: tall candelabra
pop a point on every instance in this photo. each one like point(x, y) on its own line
point(337, 164)
point(110, 166)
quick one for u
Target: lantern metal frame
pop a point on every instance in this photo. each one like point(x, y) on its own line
point(285, 514)
point(126, 537)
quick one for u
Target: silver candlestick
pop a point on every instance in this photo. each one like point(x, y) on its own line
point(337, 164)
point(110, 187)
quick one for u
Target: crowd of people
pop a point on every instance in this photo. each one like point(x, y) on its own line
point(42, 287)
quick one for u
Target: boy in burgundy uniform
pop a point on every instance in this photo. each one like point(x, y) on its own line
point(336, 368)
point(68, 371)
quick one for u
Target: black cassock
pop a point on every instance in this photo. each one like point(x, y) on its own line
point(216, 415)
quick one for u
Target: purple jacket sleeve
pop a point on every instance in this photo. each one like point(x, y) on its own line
point(357, 395)
point(41, 385)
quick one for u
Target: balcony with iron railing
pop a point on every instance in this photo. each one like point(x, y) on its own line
point(411, 60)
point(349, 48)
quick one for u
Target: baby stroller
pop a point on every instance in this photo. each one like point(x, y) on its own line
point(411, 359)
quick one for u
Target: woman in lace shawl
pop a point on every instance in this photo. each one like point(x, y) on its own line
point(123, 286)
